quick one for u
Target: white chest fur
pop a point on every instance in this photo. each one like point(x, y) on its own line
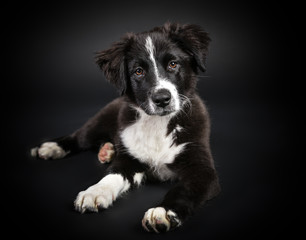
point(147, 140)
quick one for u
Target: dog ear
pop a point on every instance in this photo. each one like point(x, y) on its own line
point(192, 39)
point(112, 63)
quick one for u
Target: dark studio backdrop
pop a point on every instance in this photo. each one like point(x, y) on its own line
point(57, 87)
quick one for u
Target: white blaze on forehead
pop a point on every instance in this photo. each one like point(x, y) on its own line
point(151, 49)
point(161, 83)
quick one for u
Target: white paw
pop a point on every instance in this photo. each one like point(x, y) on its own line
point(49, 150)
point(92, 199)
point(160, 220)
point(102, 194)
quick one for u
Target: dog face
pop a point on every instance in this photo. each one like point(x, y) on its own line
point(157, 69)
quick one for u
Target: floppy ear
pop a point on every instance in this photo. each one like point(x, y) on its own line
point(192, 39)
point(112, 63)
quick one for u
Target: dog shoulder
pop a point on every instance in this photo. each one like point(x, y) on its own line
point(194, 122)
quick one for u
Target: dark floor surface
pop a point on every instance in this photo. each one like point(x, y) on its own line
point(246, 154)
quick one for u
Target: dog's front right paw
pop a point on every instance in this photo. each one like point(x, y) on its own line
point(93, 199)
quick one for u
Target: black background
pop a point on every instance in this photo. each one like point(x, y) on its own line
point(56, 86)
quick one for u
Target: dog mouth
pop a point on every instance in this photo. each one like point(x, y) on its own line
point(163, 112)
point(160, 102)
point(153, 110)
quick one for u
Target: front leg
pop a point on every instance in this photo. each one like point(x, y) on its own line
point(106, 191)
point(197, 184)
point(102, 194)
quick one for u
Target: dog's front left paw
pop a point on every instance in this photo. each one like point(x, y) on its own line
point(160, 220)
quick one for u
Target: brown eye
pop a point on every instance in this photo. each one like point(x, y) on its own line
point(172, 65)
point(139, 71)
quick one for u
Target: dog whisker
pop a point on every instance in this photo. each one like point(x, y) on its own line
point(200, 76)
point(186, 104)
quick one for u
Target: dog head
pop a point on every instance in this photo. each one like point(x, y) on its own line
point(157, 69)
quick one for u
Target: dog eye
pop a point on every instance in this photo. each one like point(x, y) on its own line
point(139, 71)
point(172, 65)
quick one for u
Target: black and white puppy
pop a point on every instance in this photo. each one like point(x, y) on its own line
point(158, 127)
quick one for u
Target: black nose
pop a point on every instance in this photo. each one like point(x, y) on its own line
point(161, 98)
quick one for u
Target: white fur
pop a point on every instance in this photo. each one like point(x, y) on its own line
point(102, 194)
point(49, 150)
point(146, 140)
point(178, 128)
point(138, 177)
point(161, 83)
point(151, 49)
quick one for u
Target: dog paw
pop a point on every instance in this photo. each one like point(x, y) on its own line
point(106, 152)
point(49, 150)
point(160, 220)
point(103, 194)
point(93, 199)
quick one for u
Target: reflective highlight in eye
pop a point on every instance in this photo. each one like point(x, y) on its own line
point(172, 65)
point(139, 71)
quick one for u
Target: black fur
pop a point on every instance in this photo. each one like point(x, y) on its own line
point(194, 167)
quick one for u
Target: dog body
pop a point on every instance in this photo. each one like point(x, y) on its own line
point(158, 128)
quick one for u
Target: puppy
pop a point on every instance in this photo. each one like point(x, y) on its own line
point(158, 127)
